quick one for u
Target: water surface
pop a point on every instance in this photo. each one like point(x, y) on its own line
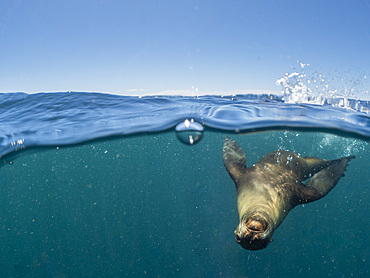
point(131, 200)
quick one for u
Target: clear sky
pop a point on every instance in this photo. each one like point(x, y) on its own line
point(151, 45)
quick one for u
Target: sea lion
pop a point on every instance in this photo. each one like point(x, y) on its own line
point(268, 190)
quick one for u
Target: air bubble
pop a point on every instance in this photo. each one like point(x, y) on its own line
point(189, 132)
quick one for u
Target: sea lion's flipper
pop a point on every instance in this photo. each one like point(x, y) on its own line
point(304, 167)
point(307, 167)
point(234, 158)
point(323, 181)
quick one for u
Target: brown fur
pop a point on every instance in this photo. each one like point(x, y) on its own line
point(267, 191)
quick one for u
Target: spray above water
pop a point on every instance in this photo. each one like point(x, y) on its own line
point(189, 132)
point(344, 90)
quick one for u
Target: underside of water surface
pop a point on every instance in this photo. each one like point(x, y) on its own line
point(52, 119)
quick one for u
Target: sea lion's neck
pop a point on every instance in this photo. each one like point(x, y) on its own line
point(265, 200)
point(258, 208)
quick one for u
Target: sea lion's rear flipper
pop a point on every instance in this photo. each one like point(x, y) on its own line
point(234, 158)
point(309, 166)
point(323, 181)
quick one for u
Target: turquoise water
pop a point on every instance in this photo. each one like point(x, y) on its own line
point(139, 203)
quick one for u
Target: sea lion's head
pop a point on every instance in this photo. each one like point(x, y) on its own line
point(254, 231)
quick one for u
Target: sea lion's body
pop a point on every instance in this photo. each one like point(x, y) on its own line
point(268, 190)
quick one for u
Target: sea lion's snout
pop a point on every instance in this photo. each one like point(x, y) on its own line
point(252, 234)
point(257, 226)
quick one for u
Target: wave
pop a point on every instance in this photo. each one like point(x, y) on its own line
point(47, 119)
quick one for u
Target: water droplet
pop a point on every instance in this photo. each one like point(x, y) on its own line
point(189, 132)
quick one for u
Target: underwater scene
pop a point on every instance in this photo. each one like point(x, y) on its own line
point(161, 138)
point(97, 185)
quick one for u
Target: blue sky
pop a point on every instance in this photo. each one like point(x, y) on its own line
point(151, 45)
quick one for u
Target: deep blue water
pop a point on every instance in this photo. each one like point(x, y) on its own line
point(101, 187)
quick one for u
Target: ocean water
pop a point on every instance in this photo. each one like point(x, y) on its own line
point(97, 185)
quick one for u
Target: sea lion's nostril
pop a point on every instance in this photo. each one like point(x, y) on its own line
point(237, 238)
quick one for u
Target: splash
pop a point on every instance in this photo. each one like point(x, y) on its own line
point(344, 90)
